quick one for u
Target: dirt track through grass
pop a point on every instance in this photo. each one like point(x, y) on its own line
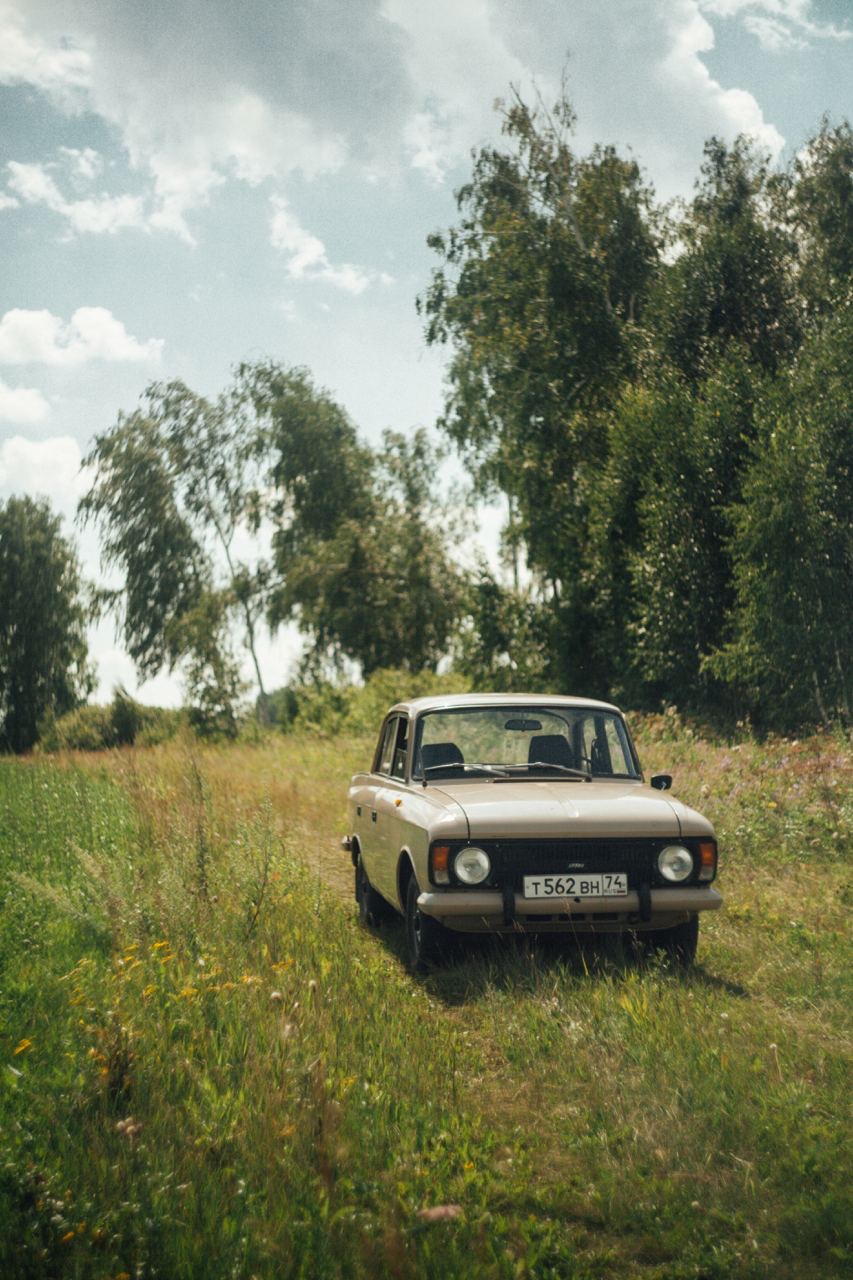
point(311, 1098)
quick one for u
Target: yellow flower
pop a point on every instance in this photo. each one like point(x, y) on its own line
point(187, 993)
point(69, 1235)
point(158, 946)
point(23, 1046)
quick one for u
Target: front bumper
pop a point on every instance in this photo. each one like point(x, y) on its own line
point(487, 908)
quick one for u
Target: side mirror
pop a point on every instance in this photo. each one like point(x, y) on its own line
point(661, 781)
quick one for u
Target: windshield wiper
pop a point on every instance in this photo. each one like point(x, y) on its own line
point(465, 767)
point(545, 764)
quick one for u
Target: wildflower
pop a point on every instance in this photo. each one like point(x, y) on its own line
point(69, 1235)
point(276, 996)
point(158, 946)
point(440, 1213)
point(23, 1046)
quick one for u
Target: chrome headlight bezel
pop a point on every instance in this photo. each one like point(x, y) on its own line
point(479, 865)
point(676, 863)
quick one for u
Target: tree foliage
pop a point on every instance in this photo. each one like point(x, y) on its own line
point(623, 374)
point(792, 545)
point(43, 652)
point(259, 508)
point(360, 561)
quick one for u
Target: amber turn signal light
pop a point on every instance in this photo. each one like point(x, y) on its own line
point(707, 859)
point(440, 863)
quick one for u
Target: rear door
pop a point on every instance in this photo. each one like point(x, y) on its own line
point(389, 793)
point(375, 818)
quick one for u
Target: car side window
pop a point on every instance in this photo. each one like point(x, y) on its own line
point(385, 753)
point(401, 747)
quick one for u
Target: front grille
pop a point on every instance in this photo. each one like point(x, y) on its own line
point(514, 859)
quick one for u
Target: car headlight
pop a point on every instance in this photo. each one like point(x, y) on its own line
point(675, 862)
point(472, 866)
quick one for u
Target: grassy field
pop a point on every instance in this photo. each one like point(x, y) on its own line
point(207, 1069)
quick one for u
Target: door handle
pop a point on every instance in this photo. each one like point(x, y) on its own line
point(372, 815)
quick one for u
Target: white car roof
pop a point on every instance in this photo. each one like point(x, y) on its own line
point(454, 701)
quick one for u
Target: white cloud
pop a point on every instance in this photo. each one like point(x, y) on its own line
point(85, 163)
point(98, 214)
point(8, 202)
point(93, 333)
point(198, 102)
point(778, 25)
point(22, 404)
point(459, 61)
point(691, 36)
point(636, 77)
point(307, 258)
point(50, 467)
point(307, 90)
point(50, 65)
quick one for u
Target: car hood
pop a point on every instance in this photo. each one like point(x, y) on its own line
point(544, 808)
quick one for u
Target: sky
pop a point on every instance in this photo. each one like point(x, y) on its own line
point(186, 184)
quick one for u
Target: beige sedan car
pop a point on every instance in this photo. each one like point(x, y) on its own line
point(499, 813)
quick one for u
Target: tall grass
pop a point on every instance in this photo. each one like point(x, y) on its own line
point(207, 1068)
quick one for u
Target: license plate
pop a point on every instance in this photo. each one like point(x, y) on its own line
point(606, 885)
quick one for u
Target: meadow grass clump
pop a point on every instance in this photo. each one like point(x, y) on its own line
point(208, 1069)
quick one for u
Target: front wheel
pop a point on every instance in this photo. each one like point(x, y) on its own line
point(424, 936)
point(678, 945)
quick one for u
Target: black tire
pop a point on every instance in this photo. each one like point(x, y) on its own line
point(678, 945)
point(425, 937)
point(371, 905)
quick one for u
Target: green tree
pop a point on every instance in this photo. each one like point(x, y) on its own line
point(660, 571)
point(541, 290)
point(360, 561)
point(734, 278)
point(504, 637)
point(817, 204)
point(176, 488)
point(43, 652)
point(792, 647)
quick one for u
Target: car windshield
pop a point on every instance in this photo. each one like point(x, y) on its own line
point(511, 742)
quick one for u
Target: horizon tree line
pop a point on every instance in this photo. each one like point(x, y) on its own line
point(661, 396)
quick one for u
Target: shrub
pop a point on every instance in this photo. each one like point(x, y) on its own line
point(326, 708)
point(97, 728)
